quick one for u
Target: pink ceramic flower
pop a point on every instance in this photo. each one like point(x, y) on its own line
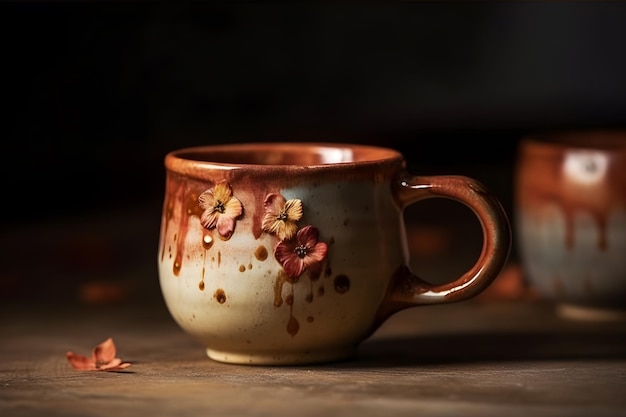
point(102, 359)
point(281, 216)
point(302, 253)
point(221, 209)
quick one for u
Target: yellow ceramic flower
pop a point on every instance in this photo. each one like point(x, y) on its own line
point(221, 209)
point(281, 216)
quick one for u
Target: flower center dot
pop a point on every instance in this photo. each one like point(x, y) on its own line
point(219, 206)
point(300, 251)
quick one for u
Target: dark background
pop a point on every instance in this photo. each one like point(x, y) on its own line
point(95, 93)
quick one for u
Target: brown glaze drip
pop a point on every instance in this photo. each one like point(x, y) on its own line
point(257, 217)
point(181, 203)
point(192, 207)
point(342, 283)
point(201, 283)
point(178, 263)
point(315, 275)
point(168, 213)
point(175, 193)
point(328, 270)
point(600, 218)
point(594, 182)
point(289, 298)
point(261, 253)
point(309, 295)
point(220, 296)
point(281, 279)
point(293, 326)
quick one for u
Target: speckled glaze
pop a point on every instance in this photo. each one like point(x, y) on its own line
point(571, 220)
point(236, 285)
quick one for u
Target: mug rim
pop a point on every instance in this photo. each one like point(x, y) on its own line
point(598, 140)
point(345, 154)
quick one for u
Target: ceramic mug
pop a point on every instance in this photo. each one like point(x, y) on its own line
point(570, 214)
point(294, 253)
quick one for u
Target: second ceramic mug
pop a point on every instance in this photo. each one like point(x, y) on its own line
point(294, 253)
point(570, 203)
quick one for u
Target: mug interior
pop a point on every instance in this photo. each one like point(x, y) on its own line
point(298, 154)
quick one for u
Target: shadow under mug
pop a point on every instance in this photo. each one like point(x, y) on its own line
point(294, 253)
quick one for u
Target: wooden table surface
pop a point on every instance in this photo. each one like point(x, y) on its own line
point(466, 359)
point(482, 357)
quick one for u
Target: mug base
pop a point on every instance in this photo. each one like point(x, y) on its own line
point(287, 358)
point(586, 313)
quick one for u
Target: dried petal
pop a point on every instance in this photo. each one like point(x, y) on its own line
point(105, 351)
point(80, 362)
point(102, 359)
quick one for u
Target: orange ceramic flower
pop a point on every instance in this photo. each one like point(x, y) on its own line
point(102, 359)
point(281, 216)
point(302, 253)
point(221, 209)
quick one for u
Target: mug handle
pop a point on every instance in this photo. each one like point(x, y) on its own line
point(407, 289)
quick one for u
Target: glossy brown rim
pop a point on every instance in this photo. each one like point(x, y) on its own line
point(559, 141)
point(280, 154)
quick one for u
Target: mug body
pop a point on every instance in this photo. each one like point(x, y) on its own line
point(571, 220)
point(278, 253)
